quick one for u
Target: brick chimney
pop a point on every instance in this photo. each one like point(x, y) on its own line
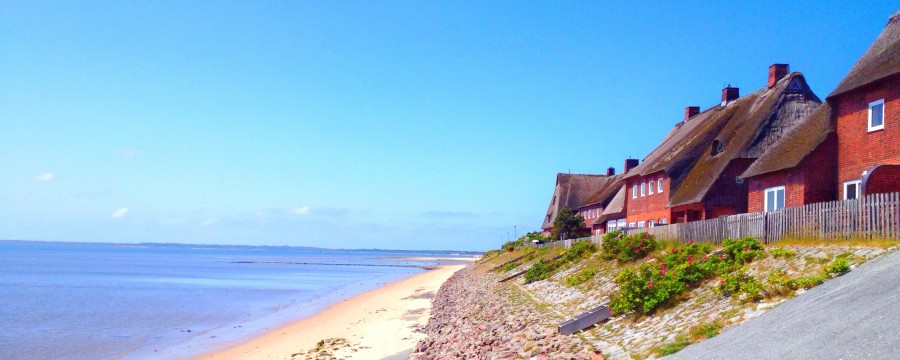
point(630, 164)
point(730, 93)
point(777, 72)
point(610, 171)
point(690, 112)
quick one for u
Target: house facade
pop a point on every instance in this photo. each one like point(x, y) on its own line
point(866, 107)
point(578, 193)
point(696, 172)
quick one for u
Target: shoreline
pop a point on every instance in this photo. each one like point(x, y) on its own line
point(376, 324)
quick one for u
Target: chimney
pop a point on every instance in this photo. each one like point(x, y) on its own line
point(777, 72)
point(630, 164)
point(610, 171)
point(730, 93)
point(690, 111)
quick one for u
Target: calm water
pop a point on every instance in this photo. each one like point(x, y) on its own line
point(104, 301)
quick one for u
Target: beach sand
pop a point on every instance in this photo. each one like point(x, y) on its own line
point(377, 324)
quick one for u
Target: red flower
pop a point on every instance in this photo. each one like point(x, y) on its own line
point(746, 248)
point(650, 284)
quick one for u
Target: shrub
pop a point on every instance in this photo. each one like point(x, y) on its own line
point(644, 289)
point(838, 267)
point(581, 277)
point(781, 284)
point(540, 270)
point(510, 266)
point(579, 250)
point(782, 252)
point(741, 286)
point(742, 251)
point(624, 247)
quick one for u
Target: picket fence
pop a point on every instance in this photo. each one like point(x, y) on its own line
point(874, 216)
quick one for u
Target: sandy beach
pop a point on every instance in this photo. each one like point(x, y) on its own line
point(377, 324)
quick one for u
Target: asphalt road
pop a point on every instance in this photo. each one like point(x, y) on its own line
point(855, 316)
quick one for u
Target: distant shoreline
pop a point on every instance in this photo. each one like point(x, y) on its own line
point(372, 325)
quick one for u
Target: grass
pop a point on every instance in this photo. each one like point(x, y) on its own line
point(706, 330)
point(673, 347)
point(856, 242)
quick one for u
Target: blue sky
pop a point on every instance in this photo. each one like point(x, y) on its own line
point(361, 124)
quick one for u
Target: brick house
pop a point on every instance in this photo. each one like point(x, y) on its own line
point(866, 108)
point(578, 192)
point(800, 169)
point(695, 172)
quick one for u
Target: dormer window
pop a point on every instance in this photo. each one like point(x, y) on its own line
point(717, 147)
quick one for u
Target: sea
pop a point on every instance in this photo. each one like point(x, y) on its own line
point(61, 300)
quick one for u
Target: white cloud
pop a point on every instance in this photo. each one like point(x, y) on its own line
point(303, 210)
point(45, 177)
point(209, 222)
point(120, 212)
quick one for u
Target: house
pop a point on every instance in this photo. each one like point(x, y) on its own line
point(695, 172)
point(800, 169)
point(594, 207)
point(573, 191)
point(866, 108)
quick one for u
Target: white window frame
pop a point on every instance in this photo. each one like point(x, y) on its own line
point(631, 224)
point(620, 223)
point(858, 184)
point(651, 223)
point(634, 191)
point(641, 224)
point(766, 197)
point(883, 115)
point(650, 188)
point(659, 185)
point(663, 221)
point(643, 189)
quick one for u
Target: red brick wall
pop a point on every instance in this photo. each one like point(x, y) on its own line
point(727, 196)
point(858, 149)
point(809, 182)
point(590, 213)
point(884, 179)
point(648, 207)
point(791, 179)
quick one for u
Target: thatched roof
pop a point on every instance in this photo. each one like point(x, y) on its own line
point(616, 205)
point(880, 61)
point(746, 127)
point(796, 145)
point(572, 191)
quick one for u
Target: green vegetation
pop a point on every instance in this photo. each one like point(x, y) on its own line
point(510, 266)
point(741, 286)
point(544, 268)
point(838, 267)
point(782, 252)
point(673, 347)
point(781, 284)
point(623, 247)
point(568, 224)
point(656, 282)
point(581, 277)
point(706, 330)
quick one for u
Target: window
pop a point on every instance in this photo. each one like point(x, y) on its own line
point(663, 221)
point(651, 223)
point(642, 224)
point(631, 224)
point(774, 198)
point(597, 232)
point(738, 180)
point(650, 188)
point(634, 192)
point(876, 115)
point(659, 185)
point(717, 147)
point(621, 223)
point(852, 189)
point(611, 226)
point(643, 189)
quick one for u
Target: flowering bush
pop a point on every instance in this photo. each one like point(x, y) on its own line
point(579, 250)
point(624, 247)
point(742, 251)
point(741, 286)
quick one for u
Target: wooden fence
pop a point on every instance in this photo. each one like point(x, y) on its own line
point(875, 216)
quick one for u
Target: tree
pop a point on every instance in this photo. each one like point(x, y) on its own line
point(568, 224)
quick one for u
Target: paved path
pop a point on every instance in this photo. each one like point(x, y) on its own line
point(855, 316)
